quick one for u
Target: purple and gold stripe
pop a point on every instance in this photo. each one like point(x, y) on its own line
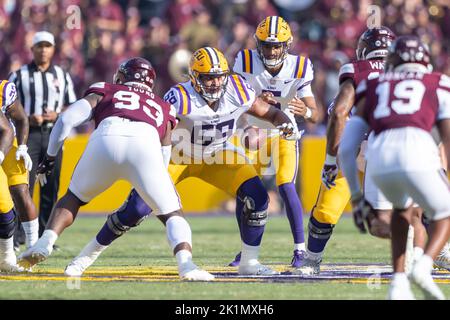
point(247, 59)
point(241, 91)
point(300, 69)
point(185, 101)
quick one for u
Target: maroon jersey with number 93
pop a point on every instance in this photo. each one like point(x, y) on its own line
point(131, 103)
point(405, 99)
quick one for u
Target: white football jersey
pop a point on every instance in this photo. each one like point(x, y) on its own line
point(201, 131)
point(8, 95)
point(294, 79)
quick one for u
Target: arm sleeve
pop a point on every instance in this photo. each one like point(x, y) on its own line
point(76, 114)
point(354, 134)
point(9, 95)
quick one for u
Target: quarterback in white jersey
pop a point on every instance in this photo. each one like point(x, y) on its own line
point(208, 107)
point(283, 80)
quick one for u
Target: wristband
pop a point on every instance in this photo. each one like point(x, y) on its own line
point(2, 157)
point(330, 159)
point(308, 113)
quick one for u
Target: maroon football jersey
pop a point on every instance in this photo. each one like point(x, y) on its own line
point(405, 99)
point(360, 70)
point(132, 103)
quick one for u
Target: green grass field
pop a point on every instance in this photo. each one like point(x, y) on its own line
point(144, 252)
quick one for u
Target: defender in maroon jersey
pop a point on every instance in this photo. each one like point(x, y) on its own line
point(132, 141)
point(401, 107)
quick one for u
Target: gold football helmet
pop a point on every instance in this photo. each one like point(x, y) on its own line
point(209, 63)
point(273, 30)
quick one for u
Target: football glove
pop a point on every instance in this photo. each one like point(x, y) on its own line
point(44, 169)
point(22, 152)
point(289, 132)
point(361, 210)
point(329, 173)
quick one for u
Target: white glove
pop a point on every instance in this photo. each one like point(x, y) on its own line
point(22, 152)
point(289, 132)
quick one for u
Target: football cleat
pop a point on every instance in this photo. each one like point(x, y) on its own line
point(421, 276)
point(236, 261)
point(33, 256)
point(442, 261)
point(78, 265)
point(310, 267)
point(298, 258)
point(9, 264)
point(400, 291)
point(197, 275)
point(256, 270)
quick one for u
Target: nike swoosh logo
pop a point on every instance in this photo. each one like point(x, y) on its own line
point(287, 81)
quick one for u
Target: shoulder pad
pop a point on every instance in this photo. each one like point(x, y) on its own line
point(8, 93)
point(178, 96)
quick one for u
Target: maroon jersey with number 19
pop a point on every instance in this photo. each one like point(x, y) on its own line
point(131, 103)
point(405, 99)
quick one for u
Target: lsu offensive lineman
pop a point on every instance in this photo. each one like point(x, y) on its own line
point(7, 214)
point(208, 107)
point(284, 81)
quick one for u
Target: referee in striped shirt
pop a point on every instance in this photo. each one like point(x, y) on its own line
point(44, 90)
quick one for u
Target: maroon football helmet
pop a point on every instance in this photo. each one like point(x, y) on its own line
point(374, 42)
point(408, 49)
point(136, 70)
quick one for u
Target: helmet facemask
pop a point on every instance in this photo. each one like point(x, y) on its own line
point(212, 92)
point(275, 62)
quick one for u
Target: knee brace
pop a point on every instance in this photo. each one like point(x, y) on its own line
point(255, 198)
point(7, 224)
point(129, 215)
point(320, 230)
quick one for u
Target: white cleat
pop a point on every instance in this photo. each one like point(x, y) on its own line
point(33, 256)
point(256, 270)
point(442, 261)
point(197, 275)
point(77, 266)
point(400, 292)
point(423, 279)
point(9, 264)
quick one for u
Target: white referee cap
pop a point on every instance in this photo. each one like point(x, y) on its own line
point(43, 36)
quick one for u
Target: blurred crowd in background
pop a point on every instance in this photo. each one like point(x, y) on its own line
point(111, 31)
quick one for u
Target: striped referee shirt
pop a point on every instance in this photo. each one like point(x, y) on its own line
point(38, 90)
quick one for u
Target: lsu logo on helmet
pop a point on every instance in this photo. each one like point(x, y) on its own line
point(209, 62)
point(273, 30)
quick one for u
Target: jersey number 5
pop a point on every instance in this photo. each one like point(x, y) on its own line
point(131, 101)
point(407, 98)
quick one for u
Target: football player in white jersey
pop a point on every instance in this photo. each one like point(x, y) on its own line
point(208, 108)
point(283, 80)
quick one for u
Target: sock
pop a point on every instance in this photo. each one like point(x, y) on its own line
point(417, 253)
point(299, 246)
point(6, 248)
point(249, 255)
point(92, 250)
point(184, 261)
point(178, 231)
point(47, 240)
point(425, 263)
point(31, 229)
point(400, 278)
point(294, 210)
